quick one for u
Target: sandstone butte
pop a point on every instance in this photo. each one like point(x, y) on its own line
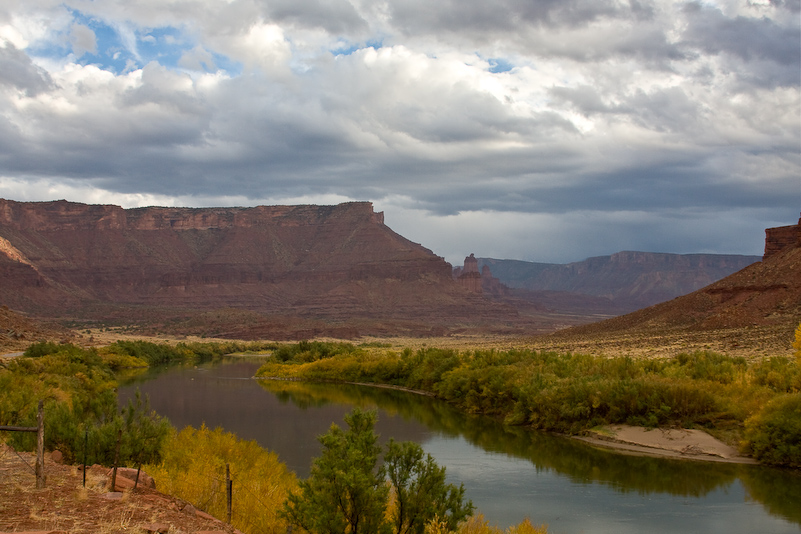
point(260, 272)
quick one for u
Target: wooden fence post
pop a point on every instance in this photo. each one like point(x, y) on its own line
point(116, 459)
point(85, 446)
point(40, 475)
point(228, 490)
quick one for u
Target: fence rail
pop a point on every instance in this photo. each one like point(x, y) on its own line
point(39, 429)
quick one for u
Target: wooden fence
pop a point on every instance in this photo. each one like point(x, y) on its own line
point(39, 429)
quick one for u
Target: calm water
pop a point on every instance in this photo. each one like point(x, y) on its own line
point(509, 473)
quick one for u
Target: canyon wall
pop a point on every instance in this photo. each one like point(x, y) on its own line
point(626, 280)
point(336, 263)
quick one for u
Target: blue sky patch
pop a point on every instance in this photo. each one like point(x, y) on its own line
point(499, 65)
point(348, 48)
point(124, 47)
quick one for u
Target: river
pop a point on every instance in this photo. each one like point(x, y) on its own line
point(509, 473)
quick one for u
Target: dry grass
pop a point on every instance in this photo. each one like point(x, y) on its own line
point(751, 343)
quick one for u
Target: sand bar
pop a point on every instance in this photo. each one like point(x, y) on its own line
point(674, 443)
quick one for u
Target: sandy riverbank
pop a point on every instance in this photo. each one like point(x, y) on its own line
point(673, 443)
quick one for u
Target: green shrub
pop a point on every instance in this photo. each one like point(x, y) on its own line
point(80, 397)
point(779, 373)
point(41, 349)
point(311, 351)
point(152, 353)
point(705, 365)
point(774, 434)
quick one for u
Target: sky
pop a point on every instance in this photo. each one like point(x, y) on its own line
point(539, 130)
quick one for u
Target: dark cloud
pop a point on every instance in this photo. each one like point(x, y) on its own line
point(794, 6)
point(421, 16)
point(334, 16)
point(746, 38)
point(662, 110)
point(18, 71)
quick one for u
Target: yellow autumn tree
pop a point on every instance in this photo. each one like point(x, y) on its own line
point(193, 469)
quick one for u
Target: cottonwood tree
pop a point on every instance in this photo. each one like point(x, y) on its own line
point(345, 493)
point(421, 493)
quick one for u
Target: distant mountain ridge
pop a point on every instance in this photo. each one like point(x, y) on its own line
point(629, 280)
point(759, 306)
point(755, 310)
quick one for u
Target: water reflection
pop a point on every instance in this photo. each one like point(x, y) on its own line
point(223, 395)
point(509, 472)
point(579, 462)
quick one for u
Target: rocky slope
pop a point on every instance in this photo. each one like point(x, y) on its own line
point(323, 266)
point(17, 332)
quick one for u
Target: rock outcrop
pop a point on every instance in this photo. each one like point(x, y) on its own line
point(481, 282)
point(468, 276)
point(332, 263)
point(781, 238)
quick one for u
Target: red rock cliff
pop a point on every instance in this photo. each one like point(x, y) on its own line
point(335, 262)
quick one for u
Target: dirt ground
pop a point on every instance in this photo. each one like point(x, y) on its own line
point(65, 506)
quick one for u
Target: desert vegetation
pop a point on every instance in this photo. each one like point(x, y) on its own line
point(755, 403)
point(752, 404)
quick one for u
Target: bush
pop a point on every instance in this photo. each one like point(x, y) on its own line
point(311, 351)
point(80, 397)
point(774, 435)
point(42, 348)
point(152, 353)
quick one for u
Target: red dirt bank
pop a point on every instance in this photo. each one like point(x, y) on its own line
point(64, 506)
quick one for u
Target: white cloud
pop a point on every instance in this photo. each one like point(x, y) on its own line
point(198, 59)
